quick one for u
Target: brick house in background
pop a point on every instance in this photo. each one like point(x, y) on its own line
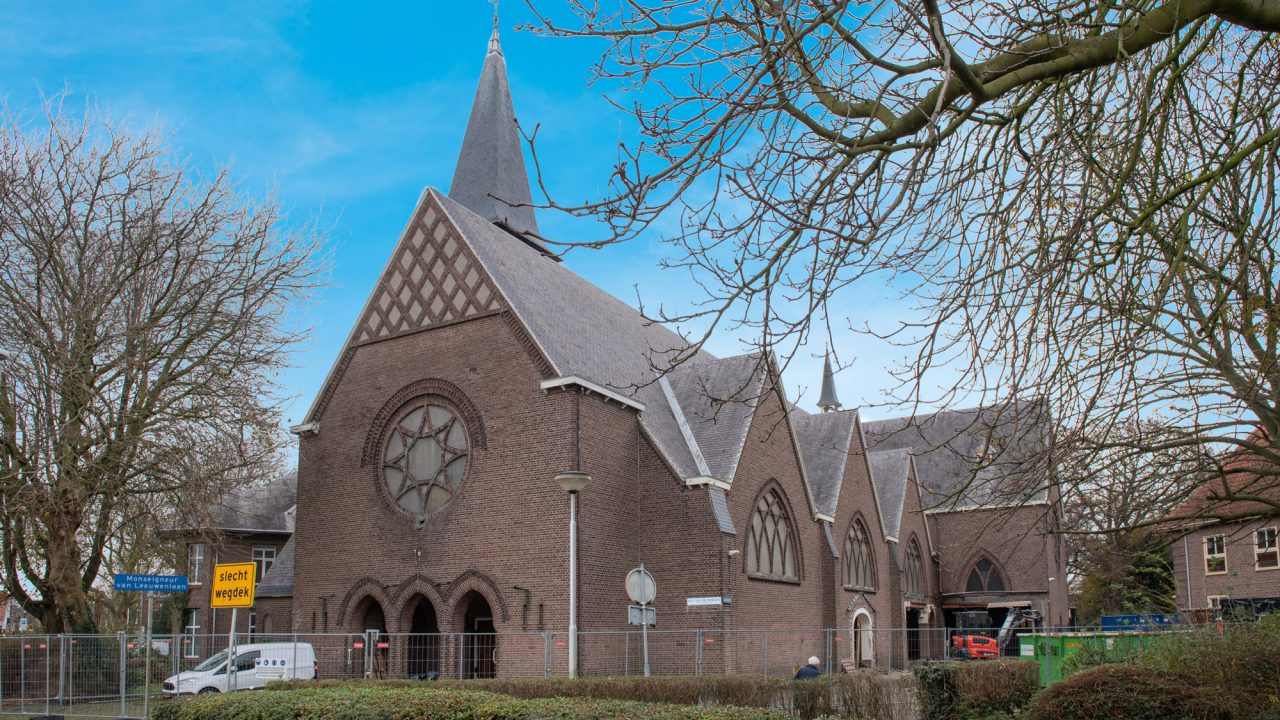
point(480, 367)
point(1235, 561)
point(254, 524)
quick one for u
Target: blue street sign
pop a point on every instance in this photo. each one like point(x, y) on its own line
point(152, 583)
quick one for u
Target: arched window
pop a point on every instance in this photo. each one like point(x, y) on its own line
point(859, 561)
point(771, 551)
point(913, 573)
point(984, 577)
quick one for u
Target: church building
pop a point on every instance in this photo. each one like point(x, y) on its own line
point(481, 368)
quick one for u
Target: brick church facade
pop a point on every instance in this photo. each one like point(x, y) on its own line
point(481, 367)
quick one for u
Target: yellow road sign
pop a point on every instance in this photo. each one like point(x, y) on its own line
point(233, 585)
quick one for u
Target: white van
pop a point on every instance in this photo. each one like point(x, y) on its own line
point(256, 665)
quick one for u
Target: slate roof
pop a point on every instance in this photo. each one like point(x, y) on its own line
point(490, 176)
point(824, 445)
point(585, 332)
point(278, 580)
point(265, 507)
point(890, 473)
point(973, 457)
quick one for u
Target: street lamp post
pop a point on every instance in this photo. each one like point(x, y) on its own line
point(572, 482)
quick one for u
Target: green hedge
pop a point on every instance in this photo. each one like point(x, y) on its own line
point(1130, 692)
point(977, 688)
point(358, 701)
point(861, 695)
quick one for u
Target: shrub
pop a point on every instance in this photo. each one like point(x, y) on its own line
point(861, 695)
point(997, 685)
point(1233, 657)
point(959, 689)
point(363, 701)
point(1128, 692)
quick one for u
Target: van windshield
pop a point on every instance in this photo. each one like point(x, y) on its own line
point(211, 663)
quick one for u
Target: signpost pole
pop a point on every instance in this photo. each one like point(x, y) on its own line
point(644, 633)
point(644, 626)
point(146, 672)
point(231, 652)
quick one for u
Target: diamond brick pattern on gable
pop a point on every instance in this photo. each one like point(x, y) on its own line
point(433, 279)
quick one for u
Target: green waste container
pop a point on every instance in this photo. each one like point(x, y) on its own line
point(1051, 650)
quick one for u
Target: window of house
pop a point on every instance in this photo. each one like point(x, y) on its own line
point(771, 552)
point(1215, 554)
point(253, 623)
point(1215, 601)
point(859, 562)
point(263, 557)
point(425, 458)
point(195, 563)
point(1265, 553)
point(913, 582)
point(191, 633)
point(984, 577)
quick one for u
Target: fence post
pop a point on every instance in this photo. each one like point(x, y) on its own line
point(62, 669)
point(461, 660)
point(697, 653)
point(766, 653)
point(22, 674)
point(123, 659)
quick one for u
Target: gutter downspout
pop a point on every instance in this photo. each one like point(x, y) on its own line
point(1186, 561)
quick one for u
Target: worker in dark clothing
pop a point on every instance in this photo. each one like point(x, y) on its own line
point(810, 671)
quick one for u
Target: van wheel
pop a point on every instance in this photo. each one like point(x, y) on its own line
point(206, 691)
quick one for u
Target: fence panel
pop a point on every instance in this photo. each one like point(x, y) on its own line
point(107, 675)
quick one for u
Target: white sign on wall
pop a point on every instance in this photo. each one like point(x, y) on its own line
point(707, 601)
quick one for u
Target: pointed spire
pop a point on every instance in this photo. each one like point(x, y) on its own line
point(827, 399)
point(490, 178)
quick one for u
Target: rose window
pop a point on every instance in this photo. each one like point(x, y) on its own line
point(425, 459)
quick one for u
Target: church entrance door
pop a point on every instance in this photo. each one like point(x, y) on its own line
point(424, 641)
point(480, 639)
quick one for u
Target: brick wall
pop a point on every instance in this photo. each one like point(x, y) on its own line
point(1242, 579)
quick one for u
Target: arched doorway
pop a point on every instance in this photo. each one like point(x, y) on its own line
point(480, 641)
point(369, 616)
point(424, 640)
point(863, 654)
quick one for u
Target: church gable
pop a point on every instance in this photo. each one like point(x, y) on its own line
point(432, 279)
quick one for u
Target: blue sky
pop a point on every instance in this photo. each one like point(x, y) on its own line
point(346, 111)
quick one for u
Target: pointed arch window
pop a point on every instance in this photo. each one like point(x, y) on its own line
point(913, 582)
point(859, 561)
point(984, 577)
point(771, 543)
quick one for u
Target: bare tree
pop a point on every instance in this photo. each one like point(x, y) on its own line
point(1079, 196)
point(1116, 505)
point(147, 315)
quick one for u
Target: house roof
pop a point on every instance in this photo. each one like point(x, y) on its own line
point(490, 176)
point(890, 473)
point(1243, 472)
point(825, 439)
point(278, 580)
point(264, 507)
point(975, 457)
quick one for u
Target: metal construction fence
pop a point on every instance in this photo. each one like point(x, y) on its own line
point(120, 675)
